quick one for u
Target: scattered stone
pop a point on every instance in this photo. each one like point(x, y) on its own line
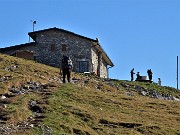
point(55, 79)
point(14, 128)
point(11, 68)
point(143, 93)
point(128, 93)
point(29, 86)
point(5, 78)
point(176, 99)
point(3, 97)
point(33, 106)
point(47, 130)
point(157, 95)
point(3, 105)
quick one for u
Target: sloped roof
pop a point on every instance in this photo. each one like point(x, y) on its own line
point(104, 55)
point(16, 47)
point(95, 41)
point(33, 34)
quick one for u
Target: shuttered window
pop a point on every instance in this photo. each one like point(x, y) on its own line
point(64, 47)
point(53, 47)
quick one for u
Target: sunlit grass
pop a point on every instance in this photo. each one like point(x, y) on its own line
point(89, 106)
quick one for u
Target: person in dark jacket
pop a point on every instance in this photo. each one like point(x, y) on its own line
point(149, 72)
point(138, 76)
point(132, 74)
point(66, 67)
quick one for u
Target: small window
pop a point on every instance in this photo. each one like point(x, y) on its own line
point(53, 47)
point(64, 47)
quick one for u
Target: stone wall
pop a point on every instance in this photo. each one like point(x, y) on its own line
point(51, 45)
point(99, 66)
point(78, 49)
point(104, 70)
point(94, 61)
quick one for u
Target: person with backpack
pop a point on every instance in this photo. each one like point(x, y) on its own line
point(66, 67)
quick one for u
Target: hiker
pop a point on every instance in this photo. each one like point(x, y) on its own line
point(138, 76)
point(149, 72)
point(66, 67)
point(132, 74)
point(159, 81)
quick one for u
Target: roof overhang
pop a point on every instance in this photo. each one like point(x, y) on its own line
point(34, 34)
point(104, 55)
point(16, 47)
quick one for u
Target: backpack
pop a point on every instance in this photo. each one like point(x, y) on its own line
point(66, 62)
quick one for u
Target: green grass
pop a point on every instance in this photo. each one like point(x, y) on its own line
point(72, 109)
point(90, 106)
point(25, 71)
point(18, 109)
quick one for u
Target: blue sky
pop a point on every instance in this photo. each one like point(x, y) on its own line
point(142, 34)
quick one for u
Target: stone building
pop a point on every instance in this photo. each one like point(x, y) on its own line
point(51, 44)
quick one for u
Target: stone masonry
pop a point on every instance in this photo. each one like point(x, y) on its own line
point(51, 44)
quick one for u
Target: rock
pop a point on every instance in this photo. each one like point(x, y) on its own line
point(12, 68)
point(5, 78)
point(86, 81)
point(32, 103)
point(138, 88)
point(176, 99)
point(3, 97)
point(4, 106)
point(14, 90)
point(47, 130)
point(143, 93)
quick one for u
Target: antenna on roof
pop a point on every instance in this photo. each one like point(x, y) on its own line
point(34, 22)
point(97, 39)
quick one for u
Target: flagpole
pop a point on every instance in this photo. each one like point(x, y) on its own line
point(33, 22)
point(177, 73)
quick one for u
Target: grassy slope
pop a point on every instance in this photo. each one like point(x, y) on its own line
point(25, 71)
point(81, 108)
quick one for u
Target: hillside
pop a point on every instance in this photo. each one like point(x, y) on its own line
point(34, 101)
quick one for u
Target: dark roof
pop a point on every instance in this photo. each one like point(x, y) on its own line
point(16, 47)
point(33, 34)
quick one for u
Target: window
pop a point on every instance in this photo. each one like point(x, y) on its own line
point(53, 47)
point(83, 66)
point(64, 47)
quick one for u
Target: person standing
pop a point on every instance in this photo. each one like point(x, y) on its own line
point(149, 71)
point(132, 74)
point(66, 67)
point(159, 81)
